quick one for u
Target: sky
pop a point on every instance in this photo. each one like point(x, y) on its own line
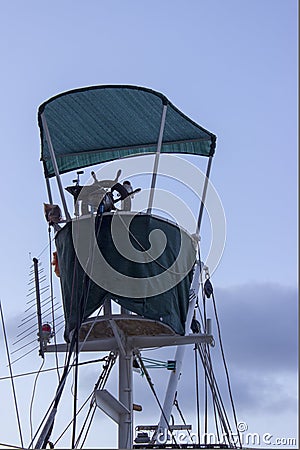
point(232, 67)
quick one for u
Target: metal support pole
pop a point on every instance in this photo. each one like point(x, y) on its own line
point(155, 167)
point(125, 397)
point(55, 167)
point(175, 374)
point(49, 191)
point(203, 195)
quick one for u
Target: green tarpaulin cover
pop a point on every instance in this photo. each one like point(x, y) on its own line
point(97, 124)
point(162, 298)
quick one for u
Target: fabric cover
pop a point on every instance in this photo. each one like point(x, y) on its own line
point(82, 296)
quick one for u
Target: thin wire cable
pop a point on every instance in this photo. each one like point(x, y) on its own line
point(148, 378)
point(55, 401)
point(226, 370)
point(75, 388)
point(181, 415)
point(85, 292)
point(52, 301)
point(44, 249)
point(205, 377)
point(100, 384)
point(211, 373)
point(83, 405)
point(32, 398)
point(88, 427)
point(215, 391)
point(203, 318)
point(11, 377)
point(70, 423)
point(50, 369)
point(209, 377)
point(10, 446)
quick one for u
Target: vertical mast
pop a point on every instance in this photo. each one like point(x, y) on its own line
point(125, 397)
point(175, 374)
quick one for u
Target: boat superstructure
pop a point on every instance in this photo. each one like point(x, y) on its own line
point(130, 280)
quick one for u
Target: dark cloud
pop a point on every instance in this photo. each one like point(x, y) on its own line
point(259, 326)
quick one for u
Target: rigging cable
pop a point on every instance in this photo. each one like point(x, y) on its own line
point(10, 446)
point(181, 415)
point(70, 423)
point(100, 384)
point(148, 378)
point(11, 376)
point(80, 409)
point(47, 429)
point(86, 284)
point(32, 398)
point(211, 372)
point(75, 386)
point(52, 301)
point(205, 346)
point(51, 368)
point(209, 377)
point(226, 370)
point(212, 384)
point(76, 372)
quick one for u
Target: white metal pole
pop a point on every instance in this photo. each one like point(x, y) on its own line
point(175, 374)
point(49, 191)
point(55, 166)
point(203, 195)
point(125, 397)
point(155, 167)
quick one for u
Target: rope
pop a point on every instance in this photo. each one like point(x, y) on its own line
point(75, 387)
point(100, 384)
point(181, 415)
point(226, 370)
point(11, 377)
point(212, 384)
point(209, 378)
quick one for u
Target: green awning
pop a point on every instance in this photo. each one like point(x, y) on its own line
point(97, 124)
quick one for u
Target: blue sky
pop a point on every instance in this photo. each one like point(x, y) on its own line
point(232, 67)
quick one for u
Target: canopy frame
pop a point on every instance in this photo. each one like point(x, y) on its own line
point(157, 155)
point(143, 106)
point(56, 170)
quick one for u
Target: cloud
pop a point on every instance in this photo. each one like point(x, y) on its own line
point(259, 333)
point(259, 326)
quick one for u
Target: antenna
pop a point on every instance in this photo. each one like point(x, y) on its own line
point(38, 305)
